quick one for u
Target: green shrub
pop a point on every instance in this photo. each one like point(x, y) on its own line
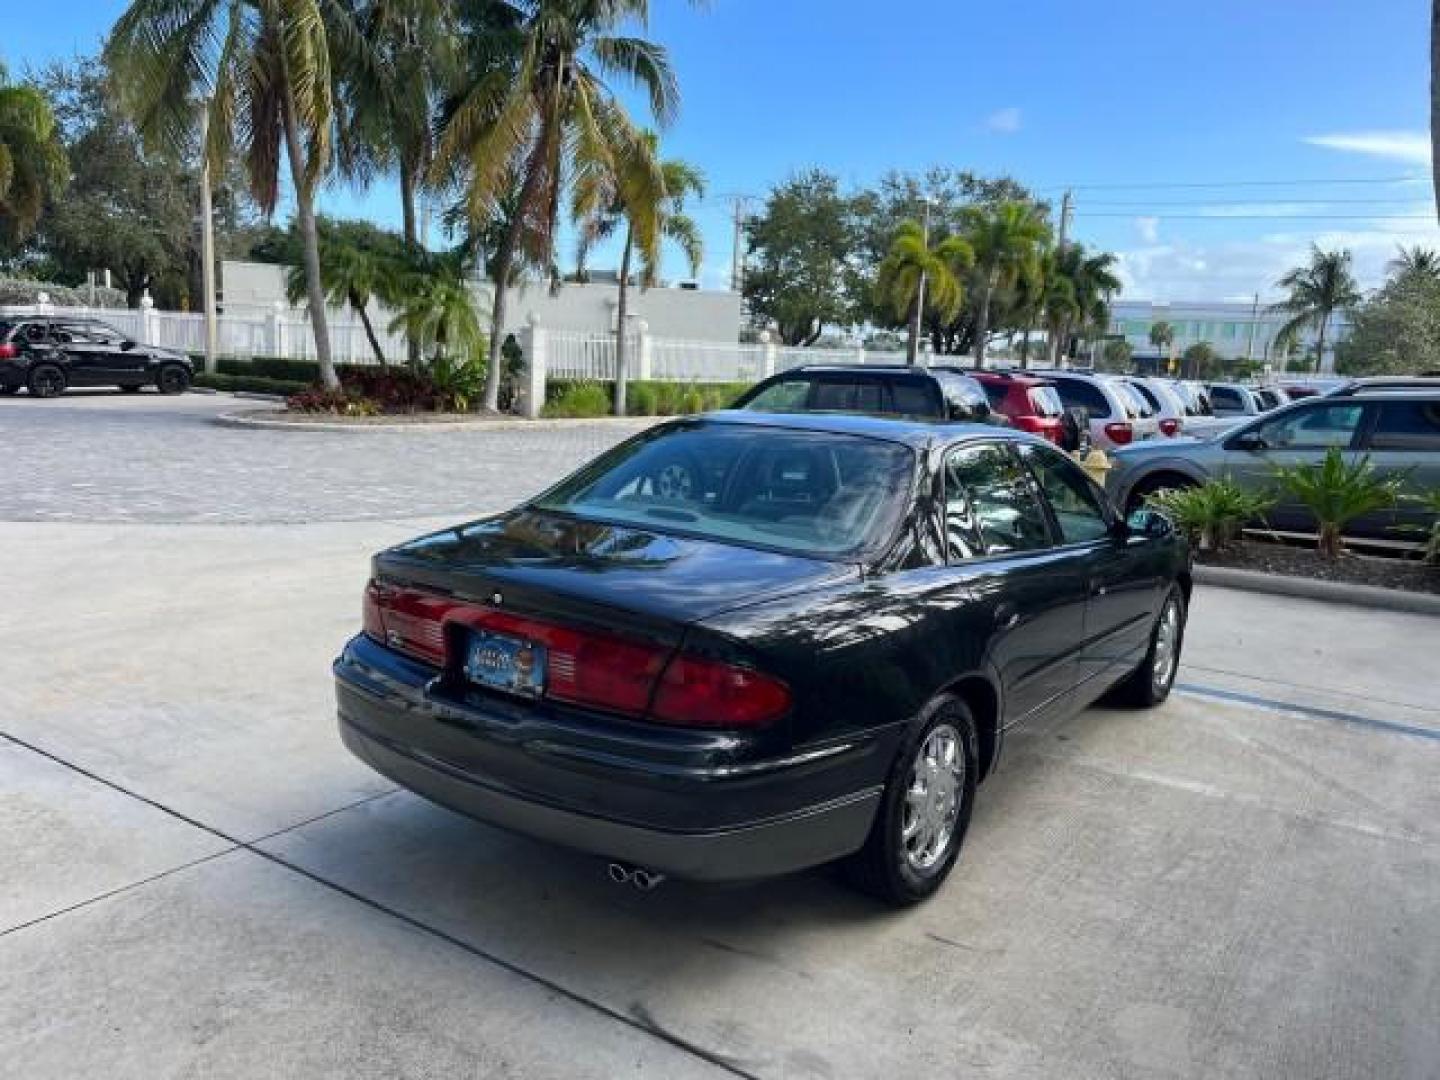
point(1429, 501)
point(1213, 514)
point(459, 383)
point(333, 402)
point(1337, 492)
point(580, 401)
point(642, 399)
point(271, 367)
point(692, 401)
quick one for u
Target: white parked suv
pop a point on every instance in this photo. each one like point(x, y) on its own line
point(1168, 405)
point(1117, 413)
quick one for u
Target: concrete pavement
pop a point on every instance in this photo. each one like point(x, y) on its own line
point(200, 881)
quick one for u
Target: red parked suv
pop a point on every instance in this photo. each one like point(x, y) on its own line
point(1030, 404)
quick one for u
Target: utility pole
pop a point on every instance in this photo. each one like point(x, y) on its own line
point(912, 346)
point(1254, 317)
point(207, 246)
point(737, 258)
point(1067, 209)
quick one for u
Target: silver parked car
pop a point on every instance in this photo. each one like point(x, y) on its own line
point(1398, 429)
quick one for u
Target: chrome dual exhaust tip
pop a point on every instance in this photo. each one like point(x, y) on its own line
point(642, 879)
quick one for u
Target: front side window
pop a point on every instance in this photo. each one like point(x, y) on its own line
point(813, 493)
point(1407, 425)
point(990, 500)
point(1076, 503)
point(1318, 427)
point(1227, 399)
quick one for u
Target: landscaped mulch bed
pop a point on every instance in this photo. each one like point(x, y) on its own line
point(1386, 572)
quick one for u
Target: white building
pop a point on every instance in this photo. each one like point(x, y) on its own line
point(1234, 330)
point(683, 314)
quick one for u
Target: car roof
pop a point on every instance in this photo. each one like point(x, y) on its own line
point(858, 369)
point(914, 433)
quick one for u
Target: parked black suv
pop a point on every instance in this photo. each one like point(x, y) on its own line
point(873, 390)
point(46, 354)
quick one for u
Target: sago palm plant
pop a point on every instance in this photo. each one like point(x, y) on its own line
point(1212, 514)
point(1337, 492)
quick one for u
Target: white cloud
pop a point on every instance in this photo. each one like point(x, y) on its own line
point(1183, 270)
point(1148, 228)
point(1412, 147)
point(1004, 121)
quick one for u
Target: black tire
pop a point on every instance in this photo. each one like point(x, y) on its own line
point(1153, 485)
point(172, 379)
point(1145, 687)
point(46, 381)
point(887, 867)
point(130, 389)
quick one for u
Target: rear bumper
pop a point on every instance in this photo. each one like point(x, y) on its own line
point(698, 823)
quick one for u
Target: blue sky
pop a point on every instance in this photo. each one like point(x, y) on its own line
point(1056, 93)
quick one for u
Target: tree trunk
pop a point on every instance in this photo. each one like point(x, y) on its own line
point(1025, 349)
point(1320, 338)
point(412, 240)
point(503, 258)
point(621, 313)
point(912, 330)
point(310, 237)
point(982, 323)
point(370, 332)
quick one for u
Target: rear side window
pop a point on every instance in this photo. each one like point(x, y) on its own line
point(912, 398)
point(836, 396)
point(1075, 394)
point(1151, 398)
point(1226, 398)
point(1045, 401)
point(995, 394)
point(1407, 425)
point(989, 494)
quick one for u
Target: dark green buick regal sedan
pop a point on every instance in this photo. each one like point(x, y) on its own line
point(739, 645)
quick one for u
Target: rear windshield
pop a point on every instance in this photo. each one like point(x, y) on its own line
point(811, 493)
point(864, 395)
point(1045, 400)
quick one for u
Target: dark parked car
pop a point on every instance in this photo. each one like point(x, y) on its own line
point(739, 645)
point(873, 390)
point(47, 354)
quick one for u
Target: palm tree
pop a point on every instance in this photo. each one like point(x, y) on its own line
point(1317, 291)
point(33, 166)
point(912, 260)
point(535, 103)
point(266, 68)
point(1161, 336)
point(1093, 282)
point(1415, 263)
point(1058, 302)
point(388, 97)
point(352, 272)
point(600, 204)
point(1006, 239)
point(437, 305)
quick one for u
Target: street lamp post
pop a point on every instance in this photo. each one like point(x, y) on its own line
point(917, 319)
point(207, 244)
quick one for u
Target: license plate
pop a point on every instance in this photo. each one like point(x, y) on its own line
point(502, 662)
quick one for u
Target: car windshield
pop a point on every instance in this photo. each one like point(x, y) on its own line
point(822, 494)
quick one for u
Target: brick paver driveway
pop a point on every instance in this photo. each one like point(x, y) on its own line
point(113, 457)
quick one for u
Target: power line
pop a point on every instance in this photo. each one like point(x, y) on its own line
point(1253, 202)
point(1147, 185)
point(1266, 217)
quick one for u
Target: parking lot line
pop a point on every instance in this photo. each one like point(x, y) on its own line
point(1374, 723)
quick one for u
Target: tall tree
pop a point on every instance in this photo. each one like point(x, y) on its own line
point(265, 68)
point(32, 160)
point(1007, 239)
point(1092, 282)
point(1161, 335)
point(911, 261)
point(601, 209)
point(1317, 291)
point(803, 244)
point(1415, 262)
point(535, 103)
point(358, 261)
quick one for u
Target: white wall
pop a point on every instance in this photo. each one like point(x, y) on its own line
point(691, 315)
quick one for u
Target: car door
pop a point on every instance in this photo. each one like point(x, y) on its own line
point(1001, 547)
point(1403, 439)
point(88, 354)
point(1123, 586)
point(124, 363)
point(1299, 435)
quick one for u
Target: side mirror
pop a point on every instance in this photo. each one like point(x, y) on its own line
point(1149, 523)
point(1250, 441)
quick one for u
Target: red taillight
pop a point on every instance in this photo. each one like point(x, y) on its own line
point(695, 692)
point(8, 352)
point(1119, 434)
point(589, 668)
point(1170, 427)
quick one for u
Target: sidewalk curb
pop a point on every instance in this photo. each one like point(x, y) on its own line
point(1335, 592)
point(256, 419)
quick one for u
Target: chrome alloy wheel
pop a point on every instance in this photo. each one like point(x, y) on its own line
point(932, 799)
point(1167, 646)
